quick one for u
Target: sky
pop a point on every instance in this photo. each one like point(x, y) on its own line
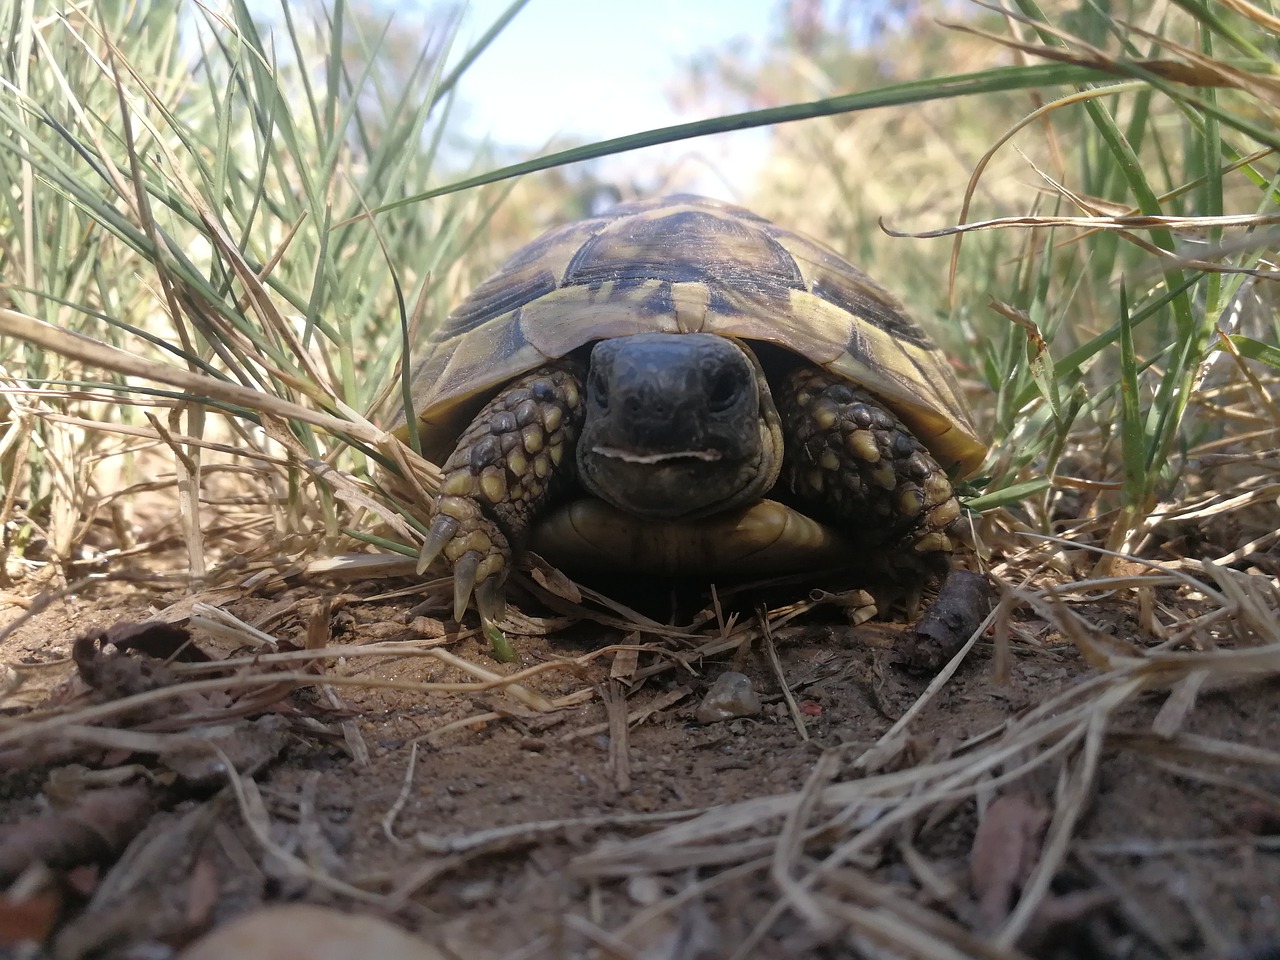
point(593, 69)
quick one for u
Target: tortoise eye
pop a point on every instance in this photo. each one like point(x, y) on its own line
point(598, 388)
point(724, 389)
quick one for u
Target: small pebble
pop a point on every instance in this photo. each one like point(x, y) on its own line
point(731, 695)
point(303, 932)
point(477, 891)
point(644, 891)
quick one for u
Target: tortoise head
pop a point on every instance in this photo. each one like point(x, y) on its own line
point(677, 425)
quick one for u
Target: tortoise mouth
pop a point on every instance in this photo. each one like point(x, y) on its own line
point(631, 456)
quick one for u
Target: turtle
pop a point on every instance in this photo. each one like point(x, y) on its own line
point(680, 386)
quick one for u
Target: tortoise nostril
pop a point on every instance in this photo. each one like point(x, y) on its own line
point(723, 390)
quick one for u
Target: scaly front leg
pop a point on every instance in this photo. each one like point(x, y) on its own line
point(850, 456)
point(509, 465)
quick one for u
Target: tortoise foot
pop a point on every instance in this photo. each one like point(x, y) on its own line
point(850, 456)
point(477, 550)
point(506, 470)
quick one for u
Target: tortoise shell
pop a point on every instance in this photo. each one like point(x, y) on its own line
point(686, 264)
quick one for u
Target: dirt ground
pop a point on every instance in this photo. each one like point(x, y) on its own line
point(492, 827)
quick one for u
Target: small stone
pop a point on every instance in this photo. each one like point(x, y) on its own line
point(317, 933)
point(730, 696)
point(478, 891)
point(644, 890)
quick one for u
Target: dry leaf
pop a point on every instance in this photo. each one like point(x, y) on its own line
point(97, 828)
point(1005, 850)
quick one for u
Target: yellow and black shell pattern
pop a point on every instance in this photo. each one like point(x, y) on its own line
point(686, 264)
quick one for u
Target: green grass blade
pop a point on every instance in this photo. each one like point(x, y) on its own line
point(1133, 441)
point(996, 80)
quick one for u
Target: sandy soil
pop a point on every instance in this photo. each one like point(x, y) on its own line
point(355, 798)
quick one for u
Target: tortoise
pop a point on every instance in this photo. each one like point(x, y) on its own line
point(680, 386)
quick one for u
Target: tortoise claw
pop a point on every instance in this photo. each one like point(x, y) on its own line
point(491, 601)
point(479, 554)
point(443, 529)
point(464, 582)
